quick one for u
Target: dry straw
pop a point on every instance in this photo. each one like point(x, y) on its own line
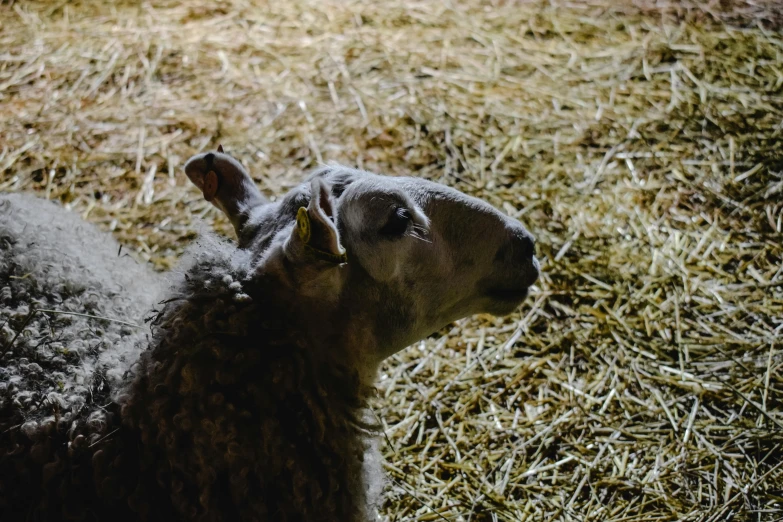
point(639, 141)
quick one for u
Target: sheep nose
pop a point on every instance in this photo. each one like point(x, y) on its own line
point(525, 247)
point(524, 243)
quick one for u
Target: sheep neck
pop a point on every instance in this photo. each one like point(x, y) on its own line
point(235, 402)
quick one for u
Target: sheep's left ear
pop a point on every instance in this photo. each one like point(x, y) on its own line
point(225, 183)
point(315, 236)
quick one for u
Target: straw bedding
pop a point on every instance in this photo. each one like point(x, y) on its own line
point(639, 141)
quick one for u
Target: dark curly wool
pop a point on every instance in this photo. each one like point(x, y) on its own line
point(227, 415)
point(242, 420)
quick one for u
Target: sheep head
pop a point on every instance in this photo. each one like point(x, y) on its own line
point(377, 262)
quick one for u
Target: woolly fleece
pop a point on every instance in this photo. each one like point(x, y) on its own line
point(220, 411)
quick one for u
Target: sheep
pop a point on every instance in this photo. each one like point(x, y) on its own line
point(246, 397)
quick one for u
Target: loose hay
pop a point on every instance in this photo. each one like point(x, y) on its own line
point(639, 141)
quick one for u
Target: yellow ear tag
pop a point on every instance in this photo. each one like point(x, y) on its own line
point(303, 222)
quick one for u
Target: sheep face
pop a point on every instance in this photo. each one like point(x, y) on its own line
point(385, 260)
point(421, 254)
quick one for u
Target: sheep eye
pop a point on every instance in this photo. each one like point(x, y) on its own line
point(398, 223)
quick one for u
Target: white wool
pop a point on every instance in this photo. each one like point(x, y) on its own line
point(52, 259)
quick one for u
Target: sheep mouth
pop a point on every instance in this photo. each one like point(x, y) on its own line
point(509, 294)
point(517, 289)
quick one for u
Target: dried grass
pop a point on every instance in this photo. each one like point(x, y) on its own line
point(638, 140)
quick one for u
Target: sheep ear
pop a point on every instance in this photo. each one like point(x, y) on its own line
point(315, 236)
point(225, 183)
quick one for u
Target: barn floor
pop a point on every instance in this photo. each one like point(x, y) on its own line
point(640, 143)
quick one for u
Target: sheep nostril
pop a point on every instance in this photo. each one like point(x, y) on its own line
point(525, 244)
